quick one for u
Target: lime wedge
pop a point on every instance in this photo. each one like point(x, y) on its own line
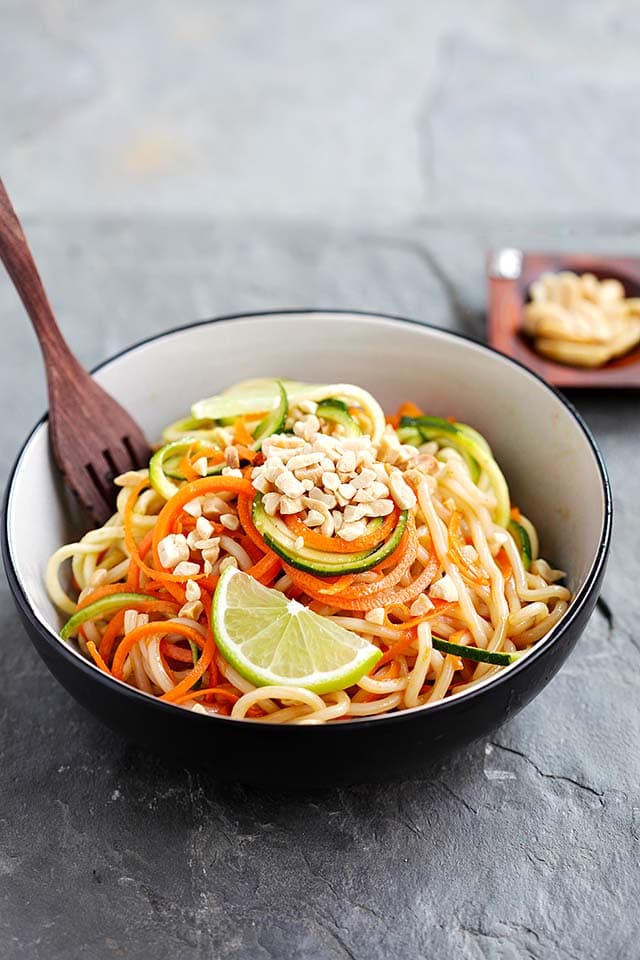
point(270, 639)
point(245, 398)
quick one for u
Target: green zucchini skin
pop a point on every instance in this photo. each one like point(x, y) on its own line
point(279, 538)
point(523, 542)
point(475, 653)
point(163, 464)
point(472, 447)
point(171, 470)
point(274, 422)
point(447, 434)
point(336, 411)
point(101, 608)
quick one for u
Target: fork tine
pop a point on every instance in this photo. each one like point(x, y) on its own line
point(94, 485)
point(118, 460)
point(95, 496)
point(113, 464)
point(138, 449)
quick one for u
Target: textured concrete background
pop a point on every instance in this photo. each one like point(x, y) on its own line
point(175, 161)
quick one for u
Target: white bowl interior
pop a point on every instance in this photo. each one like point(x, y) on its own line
point(550, 465)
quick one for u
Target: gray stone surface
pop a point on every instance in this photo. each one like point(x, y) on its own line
point(179, 161)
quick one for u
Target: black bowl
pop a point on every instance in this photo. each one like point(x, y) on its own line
point(549, 456)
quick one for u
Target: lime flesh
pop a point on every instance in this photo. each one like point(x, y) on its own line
point(271, 640)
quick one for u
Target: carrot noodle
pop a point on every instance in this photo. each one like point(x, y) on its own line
point(456, 574)
point(132, 547)
point(456, 545)
point(100, 592)
point(111, 634)
point(266, 569)
point(400, 647)
point(174, 652)
point(358, 597)
point(244, 513)
point(243, 436)
point(335, 544)
point(96, 656)
point(185, 468)
point(133, 576)
point(210, 694)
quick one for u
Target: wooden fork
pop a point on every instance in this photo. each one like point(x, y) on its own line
point(93, 438)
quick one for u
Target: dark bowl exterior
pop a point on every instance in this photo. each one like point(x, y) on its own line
point(400, 745)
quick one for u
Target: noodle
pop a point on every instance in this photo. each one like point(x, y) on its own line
point(276, 693)
point(457, 576)
point(420, 668)
point(443, 682)
point(334, 712)
point(371, 709)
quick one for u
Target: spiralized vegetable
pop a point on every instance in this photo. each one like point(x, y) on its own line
point(457, 577)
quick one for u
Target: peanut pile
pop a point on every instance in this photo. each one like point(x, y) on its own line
point(335, 483)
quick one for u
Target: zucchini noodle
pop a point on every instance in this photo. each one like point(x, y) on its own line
point(409, 547)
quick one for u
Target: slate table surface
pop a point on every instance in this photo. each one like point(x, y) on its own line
point(524, 846)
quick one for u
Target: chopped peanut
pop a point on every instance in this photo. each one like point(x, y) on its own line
point(230, 521)
point(401, 491)
point(420, 605)
point(201, 466)
point(375, 616)
point(172, 549)
point(192, 609)
point(204, 528)
point(351, 531)
point(314, 519)
point(232, 458)
point(192, 590)
point(186, 569)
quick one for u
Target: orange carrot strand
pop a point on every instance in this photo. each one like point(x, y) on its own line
point(335, 544)
point(91, 647)
point(242, 434)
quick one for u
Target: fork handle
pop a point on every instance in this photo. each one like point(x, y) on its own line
point(21, 267)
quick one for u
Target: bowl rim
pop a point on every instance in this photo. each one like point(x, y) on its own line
point(91, 670)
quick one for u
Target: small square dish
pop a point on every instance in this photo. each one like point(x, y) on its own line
point(510, 274)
